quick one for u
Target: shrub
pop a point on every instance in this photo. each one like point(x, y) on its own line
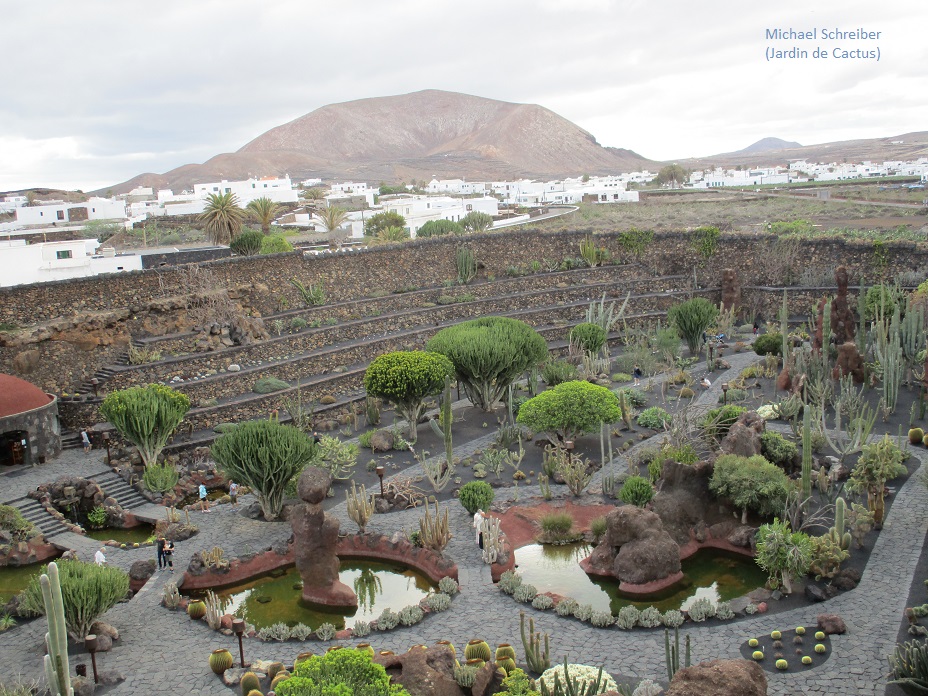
point(298, 324)
point(269, 385)
point(265, 456)
point(733, 395)
point(12, 521)
point(275, 244)
point(628, 617)
point(649, 618)
point(570, 409)
point(598, 528)
point(777, 449)
point(636, 491)
point(718, 421)
point(411, 615)
point(556, 372)
point(97, 516)
point(439, 228)
point(476, 221)
point(407, 378)
point(566, 607)
point(635, 397)
point(489, 354)
point(476, 495)
point(557, 525)
point(883, 299)
point(542, 602)
point(248, 243)
point(687, 393)
point(588, 337)
point(160, 478)
point(339, 672)
point(750, 483)
point(769, 344)
point(438, 602)
point(691, 319)
point(700, 610)
point(621, 377)
point(685, 454)
point(364, 439)
point(783, 553)
point(654, 417)
point(525, 592)
point(448, 586)
point(88, 591)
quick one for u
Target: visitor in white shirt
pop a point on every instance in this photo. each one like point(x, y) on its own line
point(99, 558)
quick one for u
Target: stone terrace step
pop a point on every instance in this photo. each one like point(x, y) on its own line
point(115, 487)
point(33, 512)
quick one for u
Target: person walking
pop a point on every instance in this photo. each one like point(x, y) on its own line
point(233, 493)
point(85, 439)
point(99, 558)
point(756, 327)
point(478, 525)
point(204, 503)
point(162, 563)
point(169, 554)
point(637, 374)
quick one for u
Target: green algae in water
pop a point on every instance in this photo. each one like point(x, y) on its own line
point(710, 573)
point(134, 535)
point(14, 579)
point(378, 586)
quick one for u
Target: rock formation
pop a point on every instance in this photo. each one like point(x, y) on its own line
point(843, 323)
point(743, 437)
point(636, 549)
point(720, 678)
point(731, 288)
point(315, 535)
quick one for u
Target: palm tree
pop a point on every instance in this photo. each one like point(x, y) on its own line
point(264, 209)
point(332, 218)
point(222, 217)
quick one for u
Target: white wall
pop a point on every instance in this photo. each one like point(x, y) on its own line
point(278, 190)
point(97, 209)
point(22, 263)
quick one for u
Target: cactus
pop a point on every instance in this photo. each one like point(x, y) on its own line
point(544, 485)
point(273, 669)
point(478, 649)
point(196, 610)
point(626, 413)
point(282, 676)
point(492, 541)
point(220, 660)
point(538, 660)
point(571, 685)
point(672, 652)
point(442, 427)
point(57, 669)
point(806, 456)
point(465, 676)
point(504, 650)
point(434, 531)
point(213, 611)
point(360, 506)
point(837, 533)
point(467, 265)
point(249, 683)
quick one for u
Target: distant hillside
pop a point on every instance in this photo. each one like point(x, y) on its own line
point(413, 136)
point(909, 146)
point(765, 144)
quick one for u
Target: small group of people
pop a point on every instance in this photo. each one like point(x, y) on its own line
point(165, 553)
point(233, 495)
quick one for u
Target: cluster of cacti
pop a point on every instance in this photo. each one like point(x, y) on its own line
point(360, 506)
point(213, 611)
point(506, 658)
point(525, 592)
point(387, 620)
point(602, 619)
point(542, 602)
point(509, 581)
point(249, 683)
point(281, 676)
point(537, 659)
point(434, 530)
point(326, 631)
point(583, 612)
point(410, 615)
point(440, 476)
point(448, 586)
point(837, 534)
point(361, 629)
point(477, 649)
point(438, 602)
point(301, 632)
point(170, 595)
point(700, 610)
point(465, 675)
point(649, 618)
point(610, 485)
point(605, 444)
point(567, 681)
point(466, 264)
point(492, 538)
point(214, 558)
point(724, 611)
point(672, 652)
point(628, 617)
point(566, 607)
point(277, 631)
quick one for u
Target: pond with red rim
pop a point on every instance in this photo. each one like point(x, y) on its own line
point(709, 573)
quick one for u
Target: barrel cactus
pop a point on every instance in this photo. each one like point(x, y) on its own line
point(196, 610)
point(249, 683)
point(478, 650)
point(220, 660)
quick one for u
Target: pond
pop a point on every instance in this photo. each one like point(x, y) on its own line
point(13, 579)
point(133, 535)
point(268, 600)
point(194, 498)
point(710, 573)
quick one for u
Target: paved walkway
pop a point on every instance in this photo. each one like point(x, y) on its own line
point(161, 651)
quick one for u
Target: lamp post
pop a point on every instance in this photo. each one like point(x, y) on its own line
point(106, 441)
point(238, 628)
point(725, 393)
point(90, 642)
point(95, 383)
point(380, 471)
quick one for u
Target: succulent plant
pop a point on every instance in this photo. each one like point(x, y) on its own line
point(757, 655)
point(806, 660)
point(478, 649)
point(820, 649)
point(800, 631)
point(249, 683)
point(753, 642)
point(782, 664)
point(776, 635)
point(819, 635)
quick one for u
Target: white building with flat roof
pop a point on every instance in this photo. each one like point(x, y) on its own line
point(418, 210)
point(22, 263)
point(278, 190)
point(61, 212)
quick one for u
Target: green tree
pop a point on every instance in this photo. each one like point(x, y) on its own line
point(783, 553)
point(691, 319)
point(339, 673)
point(247, 243)
point(382, 221)
point(672, 174)
point(332, 218)
point(476, 221)
point(488, 354)
point(88, 591)
point(313, 194)
point(222, 217)
point(275, 244)
point(265, 456)
point(264, 210)
point(146, 416)
point(878, 463)
point(438, 228)
point(750, 483)
point(570, 409)
point(407, 378)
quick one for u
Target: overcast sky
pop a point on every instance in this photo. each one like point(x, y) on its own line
point(95, 92)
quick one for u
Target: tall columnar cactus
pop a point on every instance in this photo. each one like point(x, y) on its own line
point(889, 354)
point(784, 329)
point(360, 506)
point(626, 413)
point(806, 454)
point(434, 530)
point(538, 660)
point(837, 533)
point(862, 318)
point(57, 669)
point(492, 542)
point(672, 652)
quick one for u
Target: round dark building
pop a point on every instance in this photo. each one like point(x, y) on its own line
point(29, 429)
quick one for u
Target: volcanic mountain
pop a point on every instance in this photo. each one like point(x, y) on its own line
point(413, 136)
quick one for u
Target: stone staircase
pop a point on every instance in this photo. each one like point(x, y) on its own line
point(33, 512)
point(114, 486)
